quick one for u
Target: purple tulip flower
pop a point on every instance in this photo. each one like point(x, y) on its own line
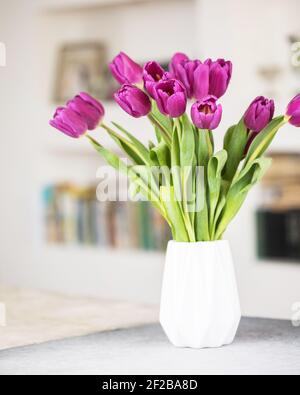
point(293, 111)
point(125, 70)
point(171, 99)
point(89, 108)
point(190, 74)
point(220, 73)
point(177, 59)
point(152, 74)
point(259, 114)
point(69, 122)
point(206, 113)
point(133, 100)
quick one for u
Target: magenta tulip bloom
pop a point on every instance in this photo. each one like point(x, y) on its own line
point(177, 59)
point(184, 72)
point(293, 111)
point(201, 81)
point(89, 108)
point(69, 122)
point(171, 99)
point(125, 70)
point(220, 73)
point(133, 100)
point(259, 114)
point(152, 74)
point(206, 113)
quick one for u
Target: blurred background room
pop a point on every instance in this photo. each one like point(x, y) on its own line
point(54, 235)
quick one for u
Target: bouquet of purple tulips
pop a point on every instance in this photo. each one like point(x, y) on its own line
point(197, 190)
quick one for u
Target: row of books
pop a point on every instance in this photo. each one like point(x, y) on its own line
point(73, 215)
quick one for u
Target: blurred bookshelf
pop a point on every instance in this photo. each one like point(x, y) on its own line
point(73, 217)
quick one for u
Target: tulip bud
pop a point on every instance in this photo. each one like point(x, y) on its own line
point(177, 59)
point(259, 114)
point(89, 108)
point(207, 114)
point(133, 100)
point(220, 73)
point(152, 74)
point(171, 99)
point(125, 70)
point(293, 111)
point(69, 122)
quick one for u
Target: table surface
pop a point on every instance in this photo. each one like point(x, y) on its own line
point(262, 347)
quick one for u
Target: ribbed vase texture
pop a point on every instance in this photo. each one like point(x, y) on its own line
point(200, 305)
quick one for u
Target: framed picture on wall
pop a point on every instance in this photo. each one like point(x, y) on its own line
point(83, 67)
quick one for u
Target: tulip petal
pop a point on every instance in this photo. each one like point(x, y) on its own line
point(88, 112)
point(92, 101)
point(206, 114)
point(218, 82)
point(295, 119)
point(133, 100)
point(293, 111)
point(201, 81)
point(259, 114)
point(176, 60)
point(69, 122)
point(125, 70)
point(176, 105)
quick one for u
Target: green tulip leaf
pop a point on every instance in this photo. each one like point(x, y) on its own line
point(137, 153)
point(235, 144)
point(228, 137)
point(168, 199)
point(112, 159)
point(239, 190)
point(147, 175)
point(151, 145)
point(187, 143)
point(205, 147)
point(161, 155)
point(262, 142)
point(201, 216)
point(139, 147)
point(164, 122)
point(214, 175)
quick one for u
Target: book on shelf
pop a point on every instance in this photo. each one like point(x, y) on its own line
point(73, 216)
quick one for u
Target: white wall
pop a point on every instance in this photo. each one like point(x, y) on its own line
point(19, 114)
point(252, 33)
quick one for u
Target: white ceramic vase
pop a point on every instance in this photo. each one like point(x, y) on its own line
point(200, 305)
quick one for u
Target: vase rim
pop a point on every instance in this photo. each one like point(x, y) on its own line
point(198, 243)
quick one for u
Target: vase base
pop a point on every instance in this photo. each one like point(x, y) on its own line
point(202, 345)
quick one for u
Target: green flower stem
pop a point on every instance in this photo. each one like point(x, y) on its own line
point(184, 143)
point(210, 143)
point(177, 124)
point(163, 131)
point(168, 199)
